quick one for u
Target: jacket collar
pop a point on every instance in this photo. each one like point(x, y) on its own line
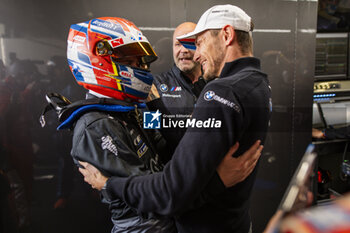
point(233, 67)
point(179, 73)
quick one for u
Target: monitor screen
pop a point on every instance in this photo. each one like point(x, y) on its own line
point(331, 61)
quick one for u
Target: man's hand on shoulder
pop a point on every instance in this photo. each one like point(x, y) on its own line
point(234, 170)
point(92, 176)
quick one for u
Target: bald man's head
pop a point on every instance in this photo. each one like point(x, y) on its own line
point(183, 28)
point(183, 57)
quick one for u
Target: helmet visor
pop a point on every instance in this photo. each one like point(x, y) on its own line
point(137, 49)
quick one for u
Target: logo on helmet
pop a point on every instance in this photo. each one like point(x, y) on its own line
point(117, 42)
point(108, 25)
point(79, 38)
point(126, 74)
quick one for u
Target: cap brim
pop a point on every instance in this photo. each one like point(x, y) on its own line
point(188, 40)
point(188, 35)
point(188, 43)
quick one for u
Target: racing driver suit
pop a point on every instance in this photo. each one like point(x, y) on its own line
point(107, 134)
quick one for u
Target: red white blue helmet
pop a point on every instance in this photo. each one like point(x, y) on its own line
point(95, 50)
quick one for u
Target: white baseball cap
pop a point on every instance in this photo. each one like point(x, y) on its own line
point(219, 16)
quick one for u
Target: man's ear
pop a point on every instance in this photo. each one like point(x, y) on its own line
point(228, 34)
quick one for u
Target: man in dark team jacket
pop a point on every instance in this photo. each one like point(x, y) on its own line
point(178, 87)
point(237, 105)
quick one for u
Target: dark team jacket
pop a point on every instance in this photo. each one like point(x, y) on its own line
point(176, 91)
point(114, 142)
point(177, 98)
point(240, 99)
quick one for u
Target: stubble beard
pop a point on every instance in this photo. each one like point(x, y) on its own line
point(187, 69)
point(217, 60)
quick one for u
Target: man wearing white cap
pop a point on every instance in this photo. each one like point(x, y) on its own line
point(239, 98)
point(224, 48)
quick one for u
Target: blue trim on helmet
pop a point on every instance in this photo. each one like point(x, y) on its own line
point(79, 28)
point(78, 76)
point(101, 107)
point(124, 80)
point(122, 67)
point(84, 58)
point(144, 76)
point(131, 91)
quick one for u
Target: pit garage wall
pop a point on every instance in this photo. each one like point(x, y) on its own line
point(284, 38)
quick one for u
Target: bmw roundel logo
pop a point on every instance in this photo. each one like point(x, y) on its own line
point(163, 87)
point(209, 95)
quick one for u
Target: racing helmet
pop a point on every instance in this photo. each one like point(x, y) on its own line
point(96, 50)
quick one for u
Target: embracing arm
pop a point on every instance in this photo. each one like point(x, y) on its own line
point(192, 167)
point(231, 170)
